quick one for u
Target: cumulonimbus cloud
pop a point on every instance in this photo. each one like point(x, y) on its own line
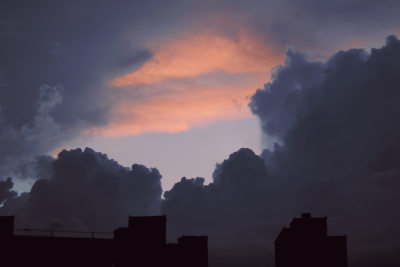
point(337, 122)
point(86, 190)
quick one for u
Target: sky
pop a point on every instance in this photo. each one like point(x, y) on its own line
point(252, 102)
point(213, 143)
point(150, 72)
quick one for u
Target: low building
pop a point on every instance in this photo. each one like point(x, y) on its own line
point(306, 243)
point(142, 243)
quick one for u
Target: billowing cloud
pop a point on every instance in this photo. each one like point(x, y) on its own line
point(338, 156)
point(73, 68)
point(21, 145)
point(232, 210)
point(6, 190)
point(158, 57)
point(43, 102)
point(87, 191)
point(349, 102)
point(337, 122)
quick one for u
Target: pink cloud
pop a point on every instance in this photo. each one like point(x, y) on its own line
point(191, 81)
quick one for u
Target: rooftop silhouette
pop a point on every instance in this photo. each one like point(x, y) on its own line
point(142, 243)
point(306, 243)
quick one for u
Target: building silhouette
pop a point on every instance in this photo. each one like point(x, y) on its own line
point(306, 243)
point(142, 243)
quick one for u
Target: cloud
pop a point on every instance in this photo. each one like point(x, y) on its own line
point(87, 190)
point(21, 145)
point(347, 103)
point(211, 52)
point(162, 56)
point(237, 210)
point(279, 105)
point(5, 190)
point(186, 82)
point(338, 156)
point(339, 140)
point(337, 126)
point(336, 121)
point(190, 104)
point(50, 79)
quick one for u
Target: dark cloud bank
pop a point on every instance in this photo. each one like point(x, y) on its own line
point(338, 155)
point(54, 59)
point(86, 191)
point(56, 55)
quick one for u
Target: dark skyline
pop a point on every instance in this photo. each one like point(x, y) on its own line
point(143, 243)
point(233, 116)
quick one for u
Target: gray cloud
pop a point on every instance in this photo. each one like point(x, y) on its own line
point(79, 46)
point(340, 142)
point(337, 122)
point(53, 64)
point(338, 156)
point(238, 210)
point(5, 190)
point(348, 103)
point(87, 191)
point(21, 145)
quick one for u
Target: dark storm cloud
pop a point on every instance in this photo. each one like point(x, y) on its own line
point(238, 210)
point(279, 108)
point(339, 143)
point(5, 189)
point(232, 180)
point(87, 191)
point(334, 116)
point(80, 46)
point(338, 126)
point(20, 145)
point(338, 156)
point(54, 59)
point(336, 121)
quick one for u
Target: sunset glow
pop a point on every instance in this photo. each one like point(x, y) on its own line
point(189, 82)
point(192, 55)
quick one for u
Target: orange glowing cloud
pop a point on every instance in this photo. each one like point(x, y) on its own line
point(202, 53)
point(189, 82)
point(180, 111)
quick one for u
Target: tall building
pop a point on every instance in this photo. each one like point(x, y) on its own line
point(142, 243)
point(306, 243)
